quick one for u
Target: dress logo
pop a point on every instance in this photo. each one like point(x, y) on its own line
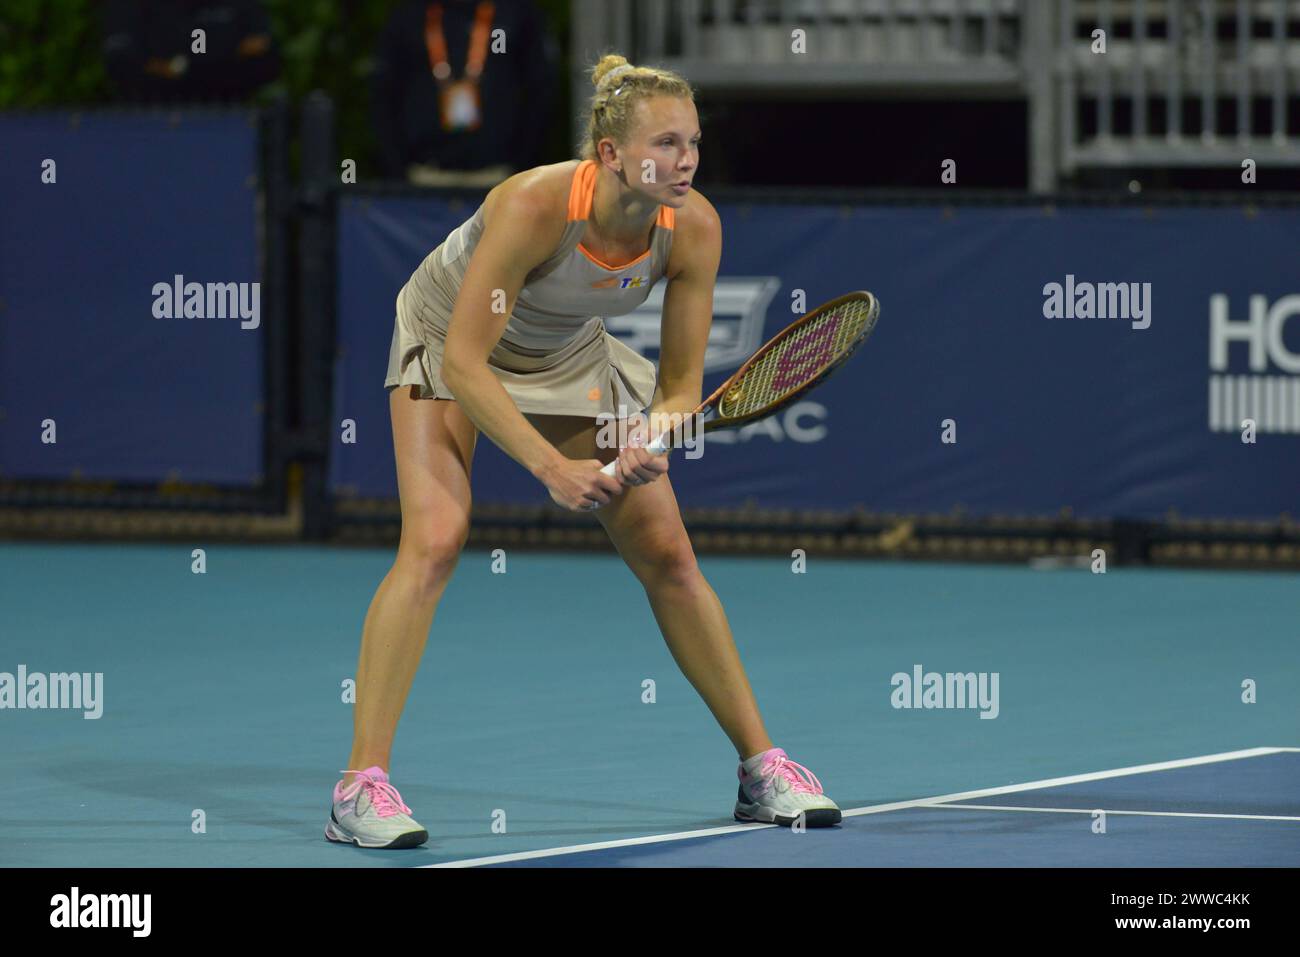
point(621, 282)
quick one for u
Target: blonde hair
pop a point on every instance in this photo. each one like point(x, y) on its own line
point(619, 87)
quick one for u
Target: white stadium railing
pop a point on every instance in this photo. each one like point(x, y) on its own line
point(1161, 57)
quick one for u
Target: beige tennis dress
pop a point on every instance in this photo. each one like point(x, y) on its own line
point(555, 356)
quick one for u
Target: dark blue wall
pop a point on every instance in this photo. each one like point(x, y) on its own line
point(138, 199)
point(1093, 414)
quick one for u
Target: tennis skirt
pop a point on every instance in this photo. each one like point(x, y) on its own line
point(592, 375)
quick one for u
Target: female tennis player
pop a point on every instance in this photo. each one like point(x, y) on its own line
point(500, 330)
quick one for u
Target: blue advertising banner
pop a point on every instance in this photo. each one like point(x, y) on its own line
point(1119, 362)
point(130, 307)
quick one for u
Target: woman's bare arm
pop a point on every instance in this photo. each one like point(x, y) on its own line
point(519, 233)
point(522, 227)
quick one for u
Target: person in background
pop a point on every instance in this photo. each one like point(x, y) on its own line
point(450, 111)
point(149, 49)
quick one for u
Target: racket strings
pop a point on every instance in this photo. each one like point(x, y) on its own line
point(798, 358)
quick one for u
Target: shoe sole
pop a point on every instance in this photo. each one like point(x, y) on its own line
point(758, 814)
point(334, 832)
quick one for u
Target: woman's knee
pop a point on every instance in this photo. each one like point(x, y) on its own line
point(666, 560)
point(431, 553)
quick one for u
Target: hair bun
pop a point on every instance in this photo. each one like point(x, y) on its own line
point(610, 66)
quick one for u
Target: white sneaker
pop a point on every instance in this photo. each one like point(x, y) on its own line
point(370, 813)
point(773, 791)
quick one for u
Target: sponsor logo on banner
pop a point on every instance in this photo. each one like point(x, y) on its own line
point(739, 314)
point(739, 311)
point(1266, 386)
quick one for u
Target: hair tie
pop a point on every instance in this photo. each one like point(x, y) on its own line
point(616, 71)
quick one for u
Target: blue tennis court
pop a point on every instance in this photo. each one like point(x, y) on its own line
point(1155, 815)
point(1165, 698)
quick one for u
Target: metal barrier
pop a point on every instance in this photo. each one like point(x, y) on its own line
point(1229, 56)
point(738, 45)
point(1224, 56)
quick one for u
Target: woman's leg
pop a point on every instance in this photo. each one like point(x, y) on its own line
point(434, 445)
point(645, 525)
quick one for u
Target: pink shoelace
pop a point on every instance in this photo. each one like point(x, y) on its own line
point(383, 796)
point(780, 765)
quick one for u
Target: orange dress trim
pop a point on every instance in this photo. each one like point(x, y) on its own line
point(582, 191)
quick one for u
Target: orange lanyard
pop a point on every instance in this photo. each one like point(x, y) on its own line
point(436, 44)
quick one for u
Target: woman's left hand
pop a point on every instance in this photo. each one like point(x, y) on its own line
point(636, 466)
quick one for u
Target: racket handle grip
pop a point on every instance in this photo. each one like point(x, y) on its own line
point(658, 446)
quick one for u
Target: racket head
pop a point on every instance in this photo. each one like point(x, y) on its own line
point(795, 360)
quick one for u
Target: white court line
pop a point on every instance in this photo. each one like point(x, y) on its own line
point(1073, 779)
point(1078, 810)
point(873, 809)
point(601, 845)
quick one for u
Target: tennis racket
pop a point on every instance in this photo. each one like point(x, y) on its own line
point(799, 357)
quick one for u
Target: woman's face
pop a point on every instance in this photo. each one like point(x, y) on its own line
point(663, 149)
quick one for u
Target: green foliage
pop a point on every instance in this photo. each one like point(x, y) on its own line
point(559, 140)
point(50, 57)
point(330, 45)
point(50, 54)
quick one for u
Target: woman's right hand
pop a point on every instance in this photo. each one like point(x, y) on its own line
point(579, 484)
